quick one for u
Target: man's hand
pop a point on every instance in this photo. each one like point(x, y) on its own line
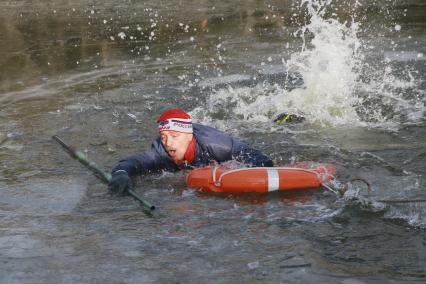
point(120, 183)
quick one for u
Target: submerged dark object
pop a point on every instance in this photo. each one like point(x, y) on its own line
point(102, 175)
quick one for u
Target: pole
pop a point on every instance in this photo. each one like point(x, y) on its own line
point(99, 173)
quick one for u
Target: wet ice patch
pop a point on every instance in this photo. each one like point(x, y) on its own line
point(19, 246)
point(44, 197)
point(414, 213)
point(352, 281)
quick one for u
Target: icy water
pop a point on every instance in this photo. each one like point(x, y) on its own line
point(98, 74)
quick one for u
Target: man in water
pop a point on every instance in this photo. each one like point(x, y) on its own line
point(184, 145)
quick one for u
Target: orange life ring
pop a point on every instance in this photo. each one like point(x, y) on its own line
point(261, 179)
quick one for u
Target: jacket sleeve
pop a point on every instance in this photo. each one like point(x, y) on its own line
point(147, 162)
point(242, 152)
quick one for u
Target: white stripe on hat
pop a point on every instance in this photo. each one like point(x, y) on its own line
point(176, 124)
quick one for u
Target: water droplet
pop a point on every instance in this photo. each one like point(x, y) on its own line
point(122, 35)
point(253, 265)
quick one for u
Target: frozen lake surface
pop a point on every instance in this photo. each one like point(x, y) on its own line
point(98, 74)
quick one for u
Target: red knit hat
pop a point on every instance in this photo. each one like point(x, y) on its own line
point(175, 119)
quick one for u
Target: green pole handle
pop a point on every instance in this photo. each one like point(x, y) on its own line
point(102, 175)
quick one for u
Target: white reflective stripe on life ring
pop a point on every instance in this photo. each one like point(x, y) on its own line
point(273, 180)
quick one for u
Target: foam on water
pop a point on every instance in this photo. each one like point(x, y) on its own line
point(341, 86)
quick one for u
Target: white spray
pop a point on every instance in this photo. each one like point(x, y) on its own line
point(328, 70)
point(330, 67)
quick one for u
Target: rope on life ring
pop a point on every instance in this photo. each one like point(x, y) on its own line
point(341, 191)
point(218, 182)
point(344, 188)
point(362, 180)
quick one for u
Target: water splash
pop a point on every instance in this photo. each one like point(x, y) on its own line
point(328, 70)
point(341, 86)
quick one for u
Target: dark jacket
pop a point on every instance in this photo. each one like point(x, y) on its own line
point(212, 145)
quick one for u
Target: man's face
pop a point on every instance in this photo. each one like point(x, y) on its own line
point(176, 144)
